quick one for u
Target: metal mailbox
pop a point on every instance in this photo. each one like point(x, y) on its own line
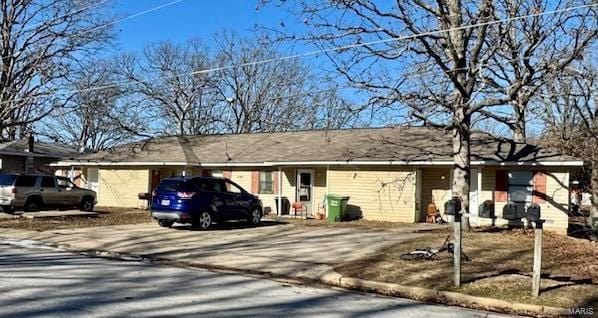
point(533, 212)
point(509, 211)
point(452, 206)
point(486, 209)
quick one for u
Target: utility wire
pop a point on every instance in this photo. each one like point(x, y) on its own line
point(102, 26)
point(340, 48)
point(316, 52)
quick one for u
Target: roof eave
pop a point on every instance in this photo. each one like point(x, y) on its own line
point(555, 163)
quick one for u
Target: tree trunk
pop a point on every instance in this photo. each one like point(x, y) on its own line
point(519, 134)
point(461, 156)
point(594, 186)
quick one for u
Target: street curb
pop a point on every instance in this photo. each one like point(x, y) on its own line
point(452, 298)
point(335, 279)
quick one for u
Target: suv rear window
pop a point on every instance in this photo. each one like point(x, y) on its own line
point(26, 181)
point(173, 186)
point(7, 179)
point(210, 185)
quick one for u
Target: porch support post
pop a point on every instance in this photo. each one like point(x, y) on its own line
point(279, 210)
point(72, 174)
point(479, 194)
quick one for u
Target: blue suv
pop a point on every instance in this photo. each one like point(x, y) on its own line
point(203, 200)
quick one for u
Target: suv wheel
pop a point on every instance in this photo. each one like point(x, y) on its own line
point(32, 205)
point(255, 217)
point(87, 204)
point(8, 209)
point(204, 221)
point(165, 223)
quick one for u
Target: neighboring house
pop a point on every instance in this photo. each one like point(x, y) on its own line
point(391, 174)
point(29, 156)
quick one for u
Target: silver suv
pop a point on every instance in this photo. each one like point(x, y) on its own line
point(34, 192)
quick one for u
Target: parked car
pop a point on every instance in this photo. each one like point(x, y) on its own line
point(32, 192)
point(203, 200)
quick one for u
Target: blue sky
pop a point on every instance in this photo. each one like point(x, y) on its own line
point(188, 19)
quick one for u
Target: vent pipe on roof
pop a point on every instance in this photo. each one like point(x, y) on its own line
point(30, 142)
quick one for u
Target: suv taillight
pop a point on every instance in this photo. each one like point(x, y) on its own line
point(185, 195)
point(14, 190)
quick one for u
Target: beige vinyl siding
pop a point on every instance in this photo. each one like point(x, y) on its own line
point(382, 194)
point(436, 187)
point(242, 177)
point(119, 186)
point(557, 202)
point(488, 187)
point(288, 183)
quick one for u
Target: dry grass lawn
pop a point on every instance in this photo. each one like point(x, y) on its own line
point(500, 267)
point(107, 216)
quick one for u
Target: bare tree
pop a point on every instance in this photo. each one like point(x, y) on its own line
point(169, 82)
point(93, 118)
point(533, 52)
point(570, 112)
point(327, 109)
point(264, 96)
point(40, 40)
point(420, 57)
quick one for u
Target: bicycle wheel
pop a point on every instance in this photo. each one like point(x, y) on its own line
point(414, 256)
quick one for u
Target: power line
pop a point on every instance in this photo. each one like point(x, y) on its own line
point(97, 4)
point(340, 48)
point(316, 52)
point(126, 18)
point(135, 15)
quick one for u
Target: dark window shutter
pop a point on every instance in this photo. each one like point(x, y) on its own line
point(255, 181)
point(500, 190)
point(539, 194)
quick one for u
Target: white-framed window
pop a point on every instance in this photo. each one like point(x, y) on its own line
point(520, 187)
point(266, 185)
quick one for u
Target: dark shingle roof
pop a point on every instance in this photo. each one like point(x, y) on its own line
point(372, 144)
point(41, 149)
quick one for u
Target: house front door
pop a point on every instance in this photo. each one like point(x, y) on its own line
point(93, 179)
point(304, 188)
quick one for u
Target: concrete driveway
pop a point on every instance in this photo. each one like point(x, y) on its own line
point(49, 283)
point(280, 249)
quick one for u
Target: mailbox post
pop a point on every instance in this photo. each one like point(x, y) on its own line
point(453, 207)
point(533, 215)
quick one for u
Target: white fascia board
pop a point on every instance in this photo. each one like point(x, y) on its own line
point(573, 163)
point(153, 163)
point(577, 163)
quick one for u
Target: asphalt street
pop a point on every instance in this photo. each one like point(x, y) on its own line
point(52, 283)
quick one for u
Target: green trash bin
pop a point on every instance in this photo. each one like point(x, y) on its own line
point(336, 207)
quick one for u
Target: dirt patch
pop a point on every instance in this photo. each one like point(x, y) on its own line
point(500, 267)
point(106, 216)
